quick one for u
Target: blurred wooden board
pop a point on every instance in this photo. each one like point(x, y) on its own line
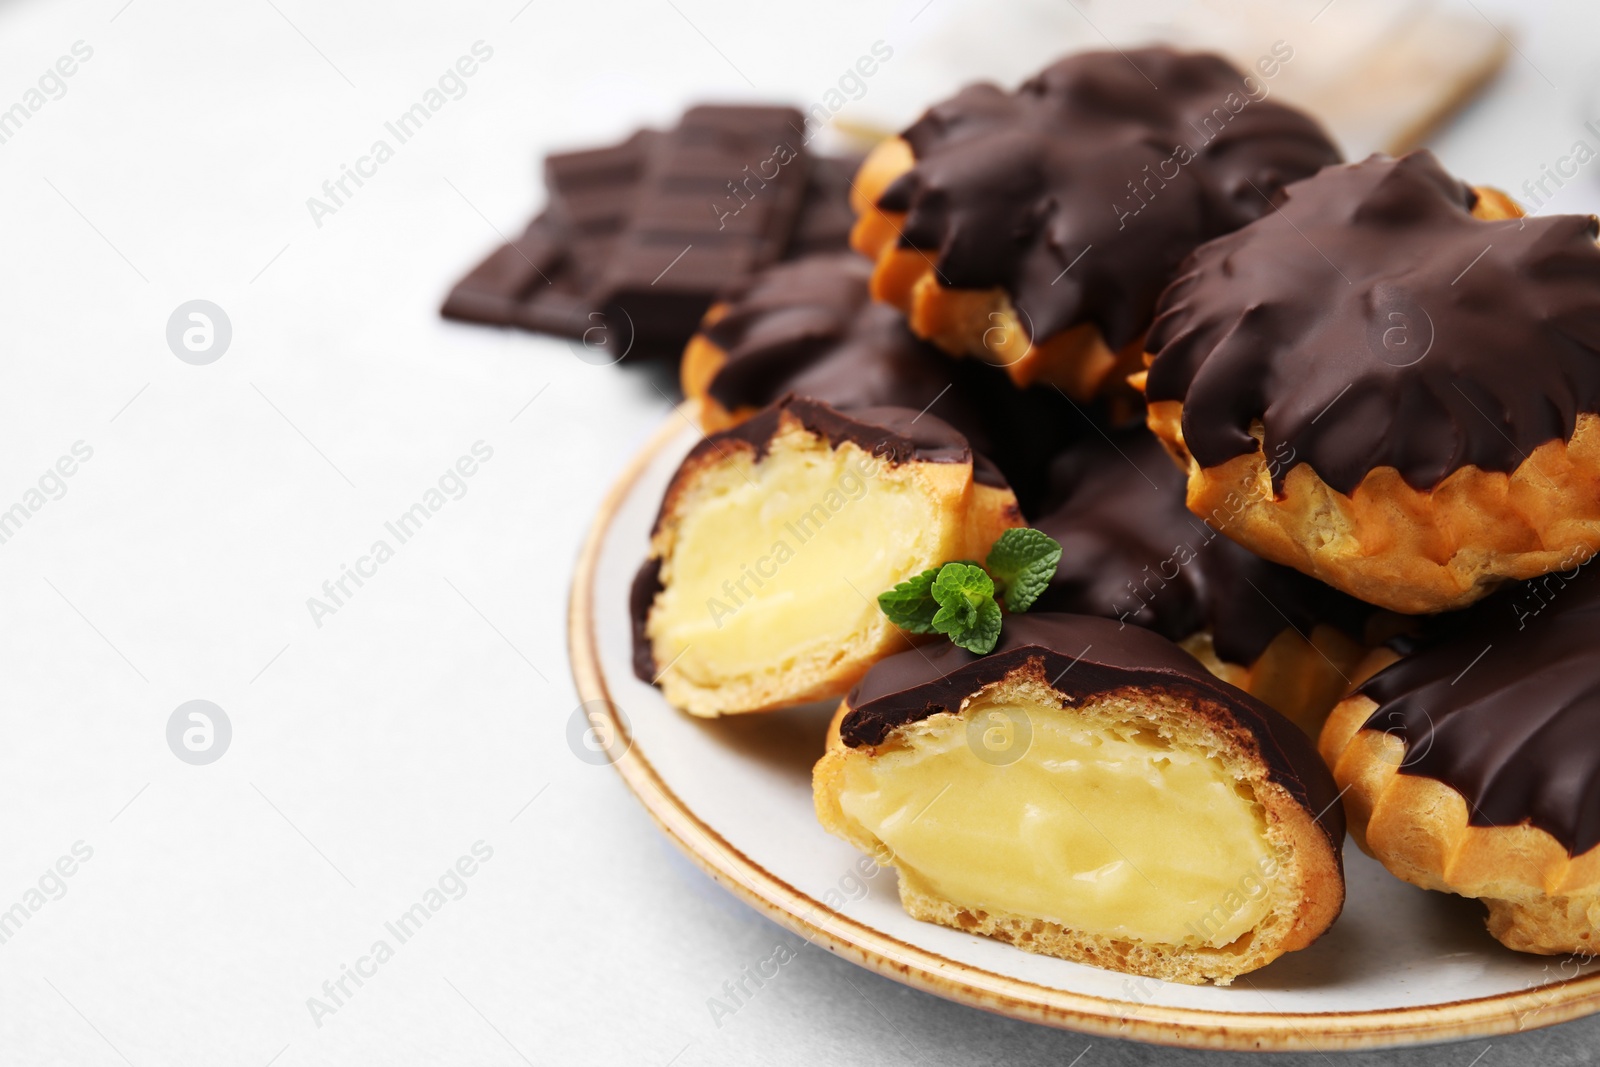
point(1380, 75)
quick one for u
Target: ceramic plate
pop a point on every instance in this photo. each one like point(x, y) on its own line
point(1401, 966)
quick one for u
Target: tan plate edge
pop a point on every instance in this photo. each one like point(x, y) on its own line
point(1185, 1027)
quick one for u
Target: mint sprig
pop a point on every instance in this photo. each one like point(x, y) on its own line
point(1022, 562)
point(967, 614)
point(959, 598)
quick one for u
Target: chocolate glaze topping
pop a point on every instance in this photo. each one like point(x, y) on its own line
point(1132, 551)
point(810, 327)
point(1373, 322)
point(641, 595)
point(1085, 657)
point(1129, 160)
point(899, 435)
point(1519, 736)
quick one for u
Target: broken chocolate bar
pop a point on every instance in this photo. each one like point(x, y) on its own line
point(542, 280)
point(638, 237)
point(718, 200)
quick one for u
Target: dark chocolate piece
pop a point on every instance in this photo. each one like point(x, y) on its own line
point(1374, 322)
point(1084, 657)
point(1132, 551)
point(542, 280)
point(1503, 706)
point(718, 200)
point(595, 250)
point(1080, 193)
point(591, 192)
point(513, 276)
point(810, 327)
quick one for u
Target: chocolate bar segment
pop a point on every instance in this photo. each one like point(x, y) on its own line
point(638, 237)
point(591, 192)
point(514, 275)
point(542, 280)
point(825, 213)
point(718, 200)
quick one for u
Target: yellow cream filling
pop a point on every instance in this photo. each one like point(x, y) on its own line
point(761, 574)
point(1104, 830)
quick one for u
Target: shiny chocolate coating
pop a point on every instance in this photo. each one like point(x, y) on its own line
point(1085, 657)
point(1502, 704)
point(1374, 322)
point(896, 434)
point(810, 327)
point(1080, 193)
point(1132, 551)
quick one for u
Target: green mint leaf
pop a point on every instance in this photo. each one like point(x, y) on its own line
point(1023, 562)
point(910, 605)
point(967, 613)
point(960, 587)
point(984, 633)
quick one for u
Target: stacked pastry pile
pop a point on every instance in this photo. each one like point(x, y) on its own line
point(1142, 434)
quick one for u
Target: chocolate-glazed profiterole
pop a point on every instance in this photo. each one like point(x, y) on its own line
point(1089, 791)
point(773, 536)
point(1391, 384)
point(1473, 765)
point(1035, 229)
point(810, 327)
point(1131, 551)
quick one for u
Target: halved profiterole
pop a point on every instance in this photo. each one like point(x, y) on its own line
point(1088, 790)
point(775, 535)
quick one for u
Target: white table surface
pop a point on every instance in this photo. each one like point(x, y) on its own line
point(429, 711)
